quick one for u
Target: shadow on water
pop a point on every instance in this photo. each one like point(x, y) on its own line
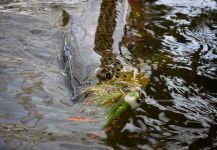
point(173, 42)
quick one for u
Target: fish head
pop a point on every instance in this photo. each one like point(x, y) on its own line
point(118, 82)
point(125, 87)
point(118, 92)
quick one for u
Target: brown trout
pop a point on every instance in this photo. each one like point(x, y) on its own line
point(93, 63)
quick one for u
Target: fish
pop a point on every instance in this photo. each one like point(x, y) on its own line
point(93, 64)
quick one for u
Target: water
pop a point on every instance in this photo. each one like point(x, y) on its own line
point(173, 42)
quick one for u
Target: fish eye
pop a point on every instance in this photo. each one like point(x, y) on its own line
point(108, 75)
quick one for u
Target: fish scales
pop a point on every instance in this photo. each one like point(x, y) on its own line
point(93, 60)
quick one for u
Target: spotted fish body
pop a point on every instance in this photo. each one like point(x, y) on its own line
point(114, 68)
point(94, 63)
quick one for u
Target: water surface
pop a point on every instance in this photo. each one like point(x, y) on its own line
point(173, 42)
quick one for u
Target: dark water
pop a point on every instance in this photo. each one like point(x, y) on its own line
point(174, 42)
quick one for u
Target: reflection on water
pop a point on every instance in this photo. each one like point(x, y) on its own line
point(33, 96)
point(173, 42)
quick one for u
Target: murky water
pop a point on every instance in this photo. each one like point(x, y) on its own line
point(172, 41)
